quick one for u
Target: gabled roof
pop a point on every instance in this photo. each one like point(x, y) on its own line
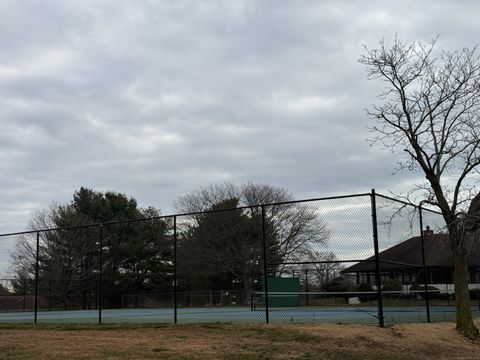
point(409, 252)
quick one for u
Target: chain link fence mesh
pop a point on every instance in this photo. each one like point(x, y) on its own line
point(348, 259)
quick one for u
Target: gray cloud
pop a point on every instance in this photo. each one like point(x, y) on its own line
point(156, 98)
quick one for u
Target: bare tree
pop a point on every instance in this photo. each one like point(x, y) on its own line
point(323, 267)
point(64, 256)
point(297, 227)
point(430, 110)
point(327, 269)
point(22, 258)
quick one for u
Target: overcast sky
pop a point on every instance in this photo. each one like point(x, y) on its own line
point(156, 98)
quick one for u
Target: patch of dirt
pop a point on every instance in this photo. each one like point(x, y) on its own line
point(408, 341)
point(421, 341)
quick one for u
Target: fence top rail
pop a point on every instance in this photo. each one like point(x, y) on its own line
point(368, 260)
point(320, 262)
point(406, 203)
point(342, 293)
point(396, 200)
point(125, 221)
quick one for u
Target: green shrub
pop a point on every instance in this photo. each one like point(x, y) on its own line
point(392, 285)
point(419, 288)
point(339, 284)
point(474, 294)
point(363, 287)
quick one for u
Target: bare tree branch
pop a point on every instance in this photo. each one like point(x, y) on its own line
point(430, 109)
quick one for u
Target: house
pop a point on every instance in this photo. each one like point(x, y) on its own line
point(404, 262)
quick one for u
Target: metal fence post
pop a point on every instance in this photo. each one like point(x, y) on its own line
point(100, 275)
point(307, 297)
point(265, 275)
point(378, 278)
point(36, 279)
point(175, 269)
point(425, 273)
point(24, 293)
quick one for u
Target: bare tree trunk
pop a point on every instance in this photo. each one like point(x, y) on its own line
point(464, 319)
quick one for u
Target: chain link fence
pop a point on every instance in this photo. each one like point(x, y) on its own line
point(364, 258)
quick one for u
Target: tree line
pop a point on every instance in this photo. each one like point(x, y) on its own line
point(216, 249)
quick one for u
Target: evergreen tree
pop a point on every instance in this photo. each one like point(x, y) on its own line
point(136, 256)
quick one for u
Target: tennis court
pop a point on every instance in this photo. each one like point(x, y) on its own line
point(198, 284)
point(361, 315)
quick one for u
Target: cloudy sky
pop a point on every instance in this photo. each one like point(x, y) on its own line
point(156, 98)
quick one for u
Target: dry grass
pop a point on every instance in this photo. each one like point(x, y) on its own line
point(223, 341)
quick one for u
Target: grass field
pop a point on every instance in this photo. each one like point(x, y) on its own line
point(235, 342)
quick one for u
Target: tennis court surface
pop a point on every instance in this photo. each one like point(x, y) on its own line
point(361, 315)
